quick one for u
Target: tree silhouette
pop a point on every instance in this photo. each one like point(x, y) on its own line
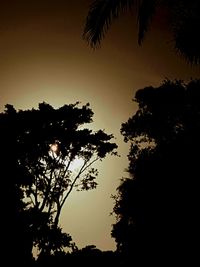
point(51, 153)
point(14, 238)
point(183, 19)
point(86, 256)
point(157, 207)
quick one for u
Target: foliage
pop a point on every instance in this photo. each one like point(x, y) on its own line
point(51, 153)
point(156, 208)
point(182, 16)
point(87, 256)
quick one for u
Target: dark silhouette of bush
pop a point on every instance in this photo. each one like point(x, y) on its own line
point(87, 256)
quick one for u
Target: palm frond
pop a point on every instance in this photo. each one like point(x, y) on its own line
point(100, 16)
point(146, 11)
point(185, 28)
point(187, 42)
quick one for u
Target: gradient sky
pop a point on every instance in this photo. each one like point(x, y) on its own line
point(43, 58)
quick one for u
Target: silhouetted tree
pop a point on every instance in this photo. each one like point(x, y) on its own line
point(14, 238)
point(51, 153)
point(157, 207)
point(183, 19)
point(87, 256)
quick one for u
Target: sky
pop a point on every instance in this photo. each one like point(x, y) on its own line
point(44, 58)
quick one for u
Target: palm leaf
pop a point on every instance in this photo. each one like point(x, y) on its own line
point(185, 27)
point(146, 11)
point(100, 16)
point(187, 42)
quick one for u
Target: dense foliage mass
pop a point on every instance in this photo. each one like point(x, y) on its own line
point(157, 207)
point(40, 150)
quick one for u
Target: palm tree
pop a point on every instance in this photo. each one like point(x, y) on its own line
point(184, 21)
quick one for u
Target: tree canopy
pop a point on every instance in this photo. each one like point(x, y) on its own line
point(157, 206)
point(48, 152)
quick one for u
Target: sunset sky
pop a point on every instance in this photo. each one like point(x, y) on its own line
point(44, 58)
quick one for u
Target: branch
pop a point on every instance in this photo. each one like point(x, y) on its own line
point(73, 183)
point(97, 158)
point(46, 194)
point(36, 195)
point(34, 204)
point(83, 168)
